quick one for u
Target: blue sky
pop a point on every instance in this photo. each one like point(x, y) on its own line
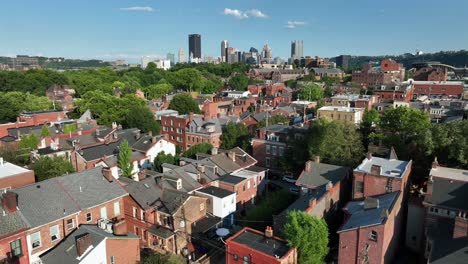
point(109, 29)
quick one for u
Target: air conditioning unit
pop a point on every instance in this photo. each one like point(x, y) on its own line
point(102, 223)
point(109, 228)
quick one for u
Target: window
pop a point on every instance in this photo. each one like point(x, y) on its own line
point(54, 233)
point(15, 247)
point(36, 240)
point(235, 257)
point(89, 217)
point(243, 188)
point(70, 224)
point(116, 208)
point(248, 184)
point(135, 212)
point(267, 149)
point(281, 151)
point(104, 212)
point(202, 206)
point(359, 186)
point(246, 260)
point(273, 150)
point(142, 215)
point(267, 162)
point(373, 235)
point(112, 260)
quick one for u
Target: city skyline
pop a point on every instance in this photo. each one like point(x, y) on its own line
point(128, 30)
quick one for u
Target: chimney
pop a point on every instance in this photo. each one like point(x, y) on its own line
point(201, 168)
point(150, 133)
point(120, 228)
point(182, 163)
point(107, 173)
point(460, 229)
point(317, 159)
point(10, 201)
point(435, 163)
point(312, 202)
point(269, 232)
point(232, 156)
point(375, 170)
point(214, 151)
point(190, 117)
point(308, 166)
point(83, 242)
point(369, 155)
point(141, 175)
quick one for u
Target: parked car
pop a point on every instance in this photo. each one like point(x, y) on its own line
point(294, 189)
point(289, 179)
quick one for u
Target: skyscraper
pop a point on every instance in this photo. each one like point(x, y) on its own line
point(195, 46)
point(181, 55)
point(342, 61)
point(297, 47)
point(171, 58)
point(224, 46)
point(267, 54)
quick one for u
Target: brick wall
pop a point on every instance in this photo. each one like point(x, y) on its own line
point(5, 248)
point(18, 180)
point(123, 250)
point(438, 89)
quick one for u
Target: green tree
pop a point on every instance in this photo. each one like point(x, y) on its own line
point(451, 143)
point(369, 121)
point(47, 167)
point(142, 118)
point(69, 128)
point(335, 142)
point(161, 158)
point(156, 258)
point(184, 104)
point(124, 162)
point(311, 92)
point(239, 82)
point(45, 132)
point(199, 148)
point(309, 234)
point(27, 144)
point(157, 90)
point(235, 135)
point(189, 79)
point(273, 120)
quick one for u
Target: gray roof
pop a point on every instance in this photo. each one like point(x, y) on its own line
point(161, 232)
point(449, 193)
point(361, 217)
point(172, 200)
point(11, 222)
point(325, 71)
point(215, 191)
point(104, 150)
point(8, 169)
point(144, 143)
point(321, 174)
point(65, 251)
point(228, 178)
point(145, 192)
point(453, 251)
point(53, 199)
point(389, 167)
point(270, 246)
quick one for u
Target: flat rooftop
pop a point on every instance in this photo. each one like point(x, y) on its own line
point(341, 109)
point(388, 167)
point(449, 173)
point(8, 169)
point(258, 241)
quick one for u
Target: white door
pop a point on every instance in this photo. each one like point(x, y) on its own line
point(104, 212)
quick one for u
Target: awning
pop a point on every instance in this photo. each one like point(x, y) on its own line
point(161, 232)
point(205, 224)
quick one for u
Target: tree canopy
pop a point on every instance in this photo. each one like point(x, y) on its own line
point(309, 234)
point(161, 158)
point(184, 104)
point(199, 148)
point(235, 135)
point(142, 118)
point(239, 82)
point(311, 92)
point(13, 103)
point(47, 167)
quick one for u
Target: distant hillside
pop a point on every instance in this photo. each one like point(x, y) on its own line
point(454, 58)
point(65, 64)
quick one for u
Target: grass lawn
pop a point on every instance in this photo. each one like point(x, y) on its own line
point(271, 205)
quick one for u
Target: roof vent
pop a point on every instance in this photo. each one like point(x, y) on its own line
point(371, 203)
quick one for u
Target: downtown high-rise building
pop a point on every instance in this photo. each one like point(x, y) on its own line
point(181, 55)
point(171, 58)
point(195, 46)
point(224, 46)
point(297, 49)
point(267, 54)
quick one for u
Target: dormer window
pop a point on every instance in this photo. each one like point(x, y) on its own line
point(179, 184)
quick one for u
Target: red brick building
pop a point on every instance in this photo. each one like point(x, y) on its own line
point(388, 72)
point(442, 89)
point(12, 176)
point(252, 246)
point(269, 145)
point(434, 74)
point(32, 119)
point(175, 127)
point(245, 189)
point(376, 176)
point(401, 92)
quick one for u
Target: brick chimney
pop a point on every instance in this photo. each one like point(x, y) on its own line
point(460, 228)
point(201, 168)
point(435, 163)
point(232, 156)
point(214, 151)
point(141, 175)
point(83, 242)
point(120, 228)
point(10, 201)
point(308, 166)
point(317, 159)
point(375, 169)
point(269, 232)
point(312, 202)
point(190, 117)
point(369, 155)
point(150, 133)
point(107, 173)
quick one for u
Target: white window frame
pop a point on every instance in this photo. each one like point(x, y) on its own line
point(135, 212)
point(103, 211)
point(72, 224)
point(112, 260)
point(57, 233)
point(117, 208)
point(90, 217)
point(38, 240)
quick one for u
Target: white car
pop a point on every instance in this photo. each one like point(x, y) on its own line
point(289, 179)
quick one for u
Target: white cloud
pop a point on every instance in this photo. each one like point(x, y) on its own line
point(138, 8)
point(239, 14)
point(235, 13)
point(256, 13)
point(294, 24)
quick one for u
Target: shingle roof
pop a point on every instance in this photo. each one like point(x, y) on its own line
point(103, 150)
point(321, 174)
point(172, 200)
point(270, 246)
point(145, 192)
point(215, 191)
point(53, 199)
point(145, 143)
point(449, 192)
point(11, 221)
point(65, 251)
point(161, 232)
point(231, 179)
point(389, 167)
point(361, 217)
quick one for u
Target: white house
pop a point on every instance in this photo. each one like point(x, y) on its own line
point(223, 202)
point(237, 94)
